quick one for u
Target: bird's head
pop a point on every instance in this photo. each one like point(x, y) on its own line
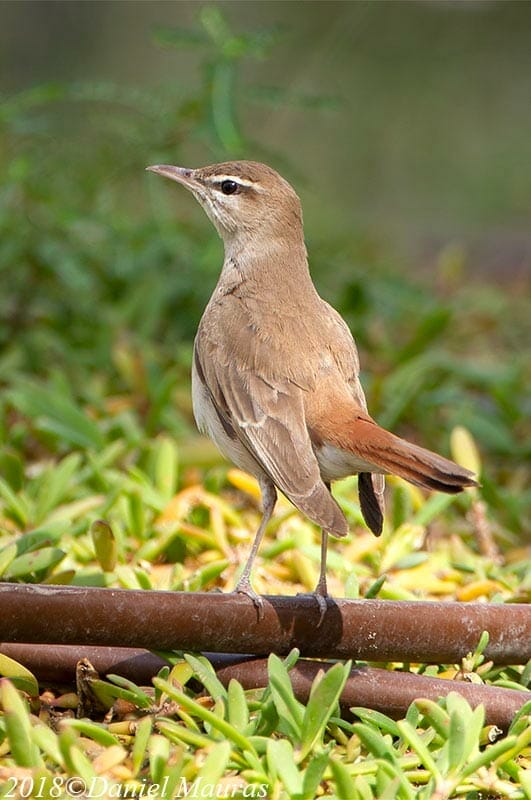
point(244, 199)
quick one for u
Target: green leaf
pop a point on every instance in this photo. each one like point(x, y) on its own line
point(7, 556)
point(35, 561)
point(39, 537)
point(473, 729)
point(107, 693)
point(79, 765)
point(363, 788)
point(136, 502)
point(166, 467)
point(206, 574)
point(457, 753)
point(213, 21)
point(18, 727)
point(203, 713)
point(237, 709)
point(56, 413)
point(55, 484)
point(524, 778)
point(413, 715)
point(142, 734)
point(387, 785)
point(16, 505)
point(178, 733)
point(521, 716)
point(19, 676)
point(477, 657)
point(410, 560)
point(488, 755)
point(12, 469)
point(204, 672)
point(47, 741)
point(313, 774)
point(377, 720)
point(402, 386)
point(399, 545)
point(92, 730)
point(135, 693)
point(104, 544)
point(374, 742)
point(375, 587)
point(281, 761)
point(215, 764)
point(345, 786)
point(436, 716)
point(159, 755)
point(397, 784)
point(428, 328)
point(289, 710)
point(291, 659)
point(324, 697)
point(410, 735)
point(352, 587)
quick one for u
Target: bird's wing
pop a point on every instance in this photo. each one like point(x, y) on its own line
point(371, 486)
point(268, 417)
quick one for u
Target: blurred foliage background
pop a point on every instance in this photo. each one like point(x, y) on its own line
point(405, 129)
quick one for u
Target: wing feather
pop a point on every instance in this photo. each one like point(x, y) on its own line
point(268, 417)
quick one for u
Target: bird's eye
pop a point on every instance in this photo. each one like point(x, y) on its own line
point(229, 187)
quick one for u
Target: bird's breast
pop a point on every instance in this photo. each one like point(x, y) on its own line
point(212, 421)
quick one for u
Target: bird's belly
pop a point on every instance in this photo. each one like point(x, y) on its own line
point(335, 463)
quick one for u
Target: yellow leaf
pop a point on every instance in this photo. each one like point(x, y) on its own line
point(244, 482)
point(482, 588)
point(464, 449)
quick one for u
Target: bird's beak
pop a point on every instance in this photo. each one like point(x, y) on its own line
point(179, 174)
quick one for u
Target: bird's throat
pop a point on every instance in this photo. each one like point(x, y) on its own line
point(268, 265)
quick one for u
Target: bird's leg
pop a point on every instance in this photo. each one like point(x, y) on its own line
point(321, 591)
point(269, 498)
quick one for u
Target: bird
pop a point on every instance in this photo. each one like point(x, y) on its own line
point(275, 375)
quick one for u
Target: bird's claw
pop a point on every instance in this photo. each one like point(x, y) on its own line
point(244, 587)
point(323, 605)
point(321, 595)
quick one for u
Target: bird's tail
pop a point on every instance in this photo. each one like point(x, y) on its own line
point(393, 455)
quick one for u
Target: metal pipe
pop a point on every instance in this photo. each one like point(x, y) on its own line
point(390, 692)
point(371, 630)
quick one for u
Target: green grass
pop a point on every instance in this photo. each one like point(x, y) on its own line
point(259, 743)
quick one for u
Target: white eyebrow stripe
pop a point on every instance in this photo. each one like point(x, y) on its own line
point(235, 178)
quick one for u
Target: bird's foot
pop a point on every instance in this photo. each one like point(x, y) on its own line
point(321, 595)
point(244, 587)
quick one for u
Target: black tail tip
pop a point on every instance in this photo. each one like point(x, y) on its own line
point(371, 506)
